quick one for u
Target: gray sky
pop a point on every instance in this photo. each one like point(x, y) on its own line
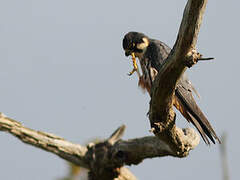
point(63, 71)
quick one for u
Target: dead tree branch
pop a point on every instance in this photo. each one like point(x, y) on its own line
point(183, 55)
point(46, 141)
point(110, 155)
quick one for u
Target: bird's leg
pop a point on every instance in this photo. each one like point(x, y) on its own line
point(135, 66)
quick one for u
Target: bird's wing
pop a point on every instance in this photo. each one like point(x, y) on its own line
point(193, 113)
point(151, 62)
point(189, 85)
point(184, 101)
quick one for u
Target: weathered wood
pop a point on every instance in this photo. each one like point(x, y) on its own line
point(74, 153)
point(183, 54)
point(103, 159)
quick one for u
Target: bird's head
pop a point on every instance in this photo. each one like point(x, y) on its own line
point(135, 42)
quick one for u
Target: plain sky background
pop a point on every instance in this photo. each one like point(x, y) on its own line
point(63, 71)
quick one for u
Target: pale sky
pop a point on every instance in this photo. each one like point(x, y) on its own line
point(63, 71)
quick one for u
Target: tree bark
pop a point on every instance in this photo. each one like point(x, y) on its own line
point(104, 159)
point(183, 55)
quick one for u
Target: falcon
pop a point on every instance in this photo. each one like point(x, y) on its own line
point(151, 54)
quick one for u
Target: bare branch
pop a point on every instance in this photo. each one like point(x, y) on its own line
point(223, 156)
point(205, 59)
point(110, 155)
point(133, 151)
point(71, 152)
point(117, 135)
point(183, 54)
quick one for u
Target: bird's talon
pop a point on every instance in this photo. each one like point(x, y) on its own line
point(131, 73)
point(135, 67)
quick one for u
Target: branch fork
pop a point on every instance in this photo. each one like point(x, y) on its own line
point(183, 55)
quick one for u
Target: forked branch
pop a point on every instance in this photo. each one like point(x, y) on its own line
point(183, 55)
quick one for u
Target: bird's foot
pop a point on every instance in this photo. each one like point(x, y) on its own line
point(131, 73)
point(135, 67)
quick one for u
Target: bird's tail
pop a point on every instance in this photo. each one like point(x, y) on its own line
point(191, 111)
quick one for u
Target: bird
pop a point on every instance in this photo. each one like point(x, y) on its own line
point(151, 54)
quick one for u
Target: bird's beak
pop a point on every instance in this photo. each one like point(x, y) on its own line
point(127, 53)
